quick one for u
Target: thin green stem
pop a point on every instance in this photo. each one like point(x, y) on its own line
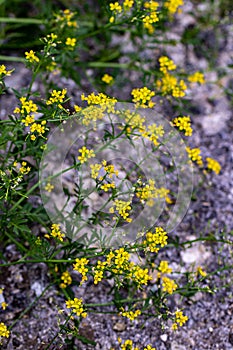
point(12, 59)
point(21, 20)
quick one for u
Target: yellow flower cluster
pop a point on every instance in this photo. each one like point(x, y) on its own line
point(152, 17)
point(93, 113)
point(116, 8)
point(56, 233)
point(123, 208)
point(139, 275)
point(99, 99)
point(106, 78)
point(39, 128)
point(166, 64)
point(121, 258)
point(152, 133)
point(71, 42)
point(148, 192)
point(155, 240)
point(57, 96)
point(131, 315)
point(127, 345)
point(4, 331)
point(197, 78)
point(66, 279)
point(195, 155)
point(172, 5)
point(24, 169)
point(180, 320)
point(99, 271)
point(95, 168)
point(168, 285)
point(3, 70)
point(66, 17)
point(170, 85)
point(142, 97)
point(118, 263)
point(107, 186)
point(134, 120)
point(80, 266)
point(151, 5)
point(183, 124)
point(31, 57)
point(26, 107)
point(77, 307)
point(110, 169)
point(212, 164)
point(164, 268)
point(149, 347)
point(85, 154)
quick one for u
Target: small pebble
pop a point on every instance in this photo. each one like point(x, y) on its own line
point(164, 337)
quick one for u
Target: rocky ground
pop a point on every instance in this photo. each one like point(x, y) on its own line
point(210, 324)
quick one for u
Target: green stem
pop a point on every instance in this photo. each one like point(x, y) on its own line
point(12, 59)
point(21, 20)
point(122, 301)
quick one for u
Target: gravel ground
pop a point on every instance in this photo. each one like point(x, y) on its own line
point(210, 324)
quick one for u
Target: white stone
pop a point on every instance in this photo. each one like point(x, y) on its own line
point(164, 337)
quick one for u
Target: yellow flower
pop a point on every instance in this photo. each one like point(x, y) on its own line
point(85, 154)
point(4, 305)
point(164, 268)
point(80, 266)
point(49, 187)
point(57, 96)
point(213, 165)
point(131, 315)
point(71, 42)
point(3, 70)
point(197, 78)
point(108, 79)
point(166, 64)
point(77, 108)
point(107, 187)
point(66, 278)
point(183, 124)
point(149, 347)
point(169, 285)
point(128, 4)
point(31, 57)
point(172, 5)
point(116, 7)
point(56, 233)
point(77, 306)
point(180, 318)
point(142, 97)
point(201, 272)
point(4, 331)
point(122, 208)
point(156, 240)
point(195, 155)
